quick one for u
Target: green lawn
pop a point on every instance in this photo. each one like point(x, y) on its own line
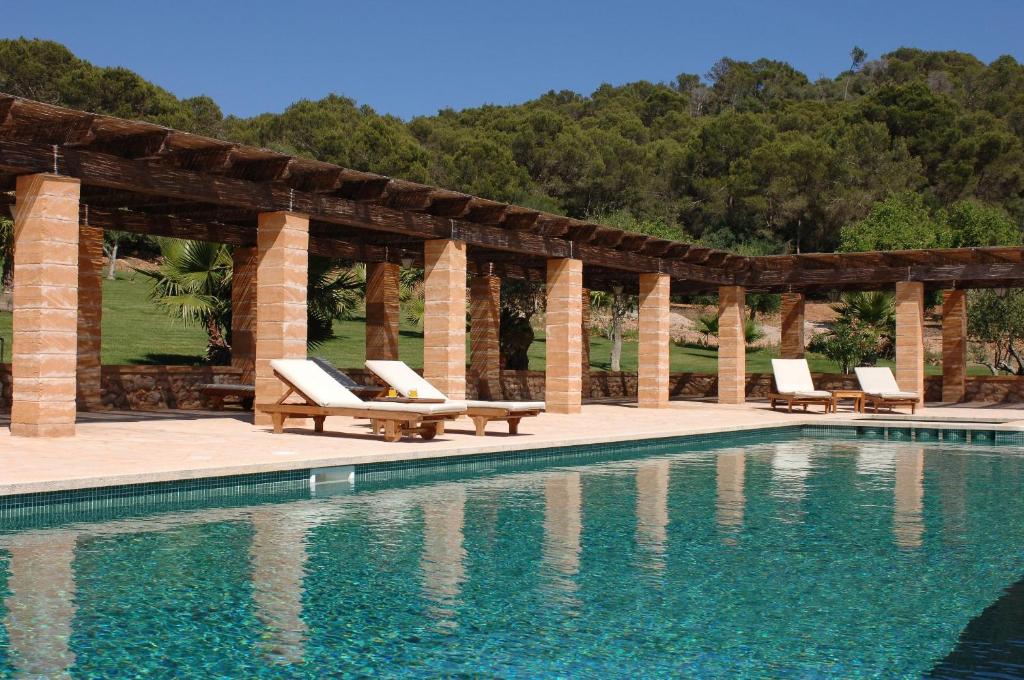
point(136, 332)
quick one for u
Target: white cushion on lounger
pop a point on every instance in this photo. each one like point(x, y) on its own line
point(879, 381)
point(793, 376)
point(423, 409)
point(318, 385)
point(813, 394)
point(403, 379)
point(315, 383)
point(511, 406)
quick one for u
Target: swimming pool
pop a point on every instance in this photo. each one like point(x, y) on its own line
point(796, 558)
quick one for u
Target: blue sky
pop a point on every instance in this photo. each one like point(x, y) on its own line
point(415, 57)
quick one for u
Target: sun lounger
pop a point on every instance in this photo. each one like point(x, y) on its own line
point(794, 386)
point(325, 397)
point(405, 381)
point(881, 389)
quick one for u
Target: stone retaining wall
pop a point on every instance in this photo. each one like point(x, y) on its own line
point(154, 388)
point(146, 388)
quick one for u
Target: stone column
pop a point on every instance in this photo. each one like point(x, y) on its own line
point(652, 351)
point(485, 335)
point(281, 281)
point(563, 386)
point(954, 345)
point(382, 311)
point(910, 337)
point(444, 316)
point(243, 312)
point(791, 345)
point(585, 343)
point(45, 339)
point(90, 317)
point(732, 346)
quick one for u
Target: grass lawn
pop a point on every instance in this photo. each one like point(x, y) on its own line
point(136, 332)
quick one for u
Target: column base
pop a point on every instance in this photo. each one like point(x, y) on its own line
point(43, 430)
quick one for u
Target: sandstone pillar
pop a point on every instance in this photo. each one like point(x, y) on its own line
point(791, 345)
point(732, 346)
point(444, 316)
point(281, 281)
point(45, 338)
point(564, 356)
point(382, 311)
point(485, 335)
point(910, 337)
point(652, 352)
point(243, 312)
point(90, 317)
point(954, 345)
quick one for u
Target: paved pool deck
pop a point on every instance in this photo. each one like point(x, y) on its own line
point(115, 448)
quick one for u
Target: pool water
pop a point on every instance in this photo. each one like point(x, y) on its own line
point(803, 558)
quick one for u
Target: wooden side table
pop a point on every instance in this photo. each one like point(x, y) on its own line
point(856, 395)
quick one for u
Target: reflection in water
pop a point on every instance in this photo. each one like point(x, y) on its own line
point(730, 501)
point(875, 461)
point(443, 552)
point(41, 604)
point(790, 470)
point(953, 497)
point(563, 525)
point(908, 523)
point(277, 574)
point(652, 511)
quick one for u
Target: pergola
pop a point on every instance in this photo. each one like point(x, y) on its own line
point(68, 175)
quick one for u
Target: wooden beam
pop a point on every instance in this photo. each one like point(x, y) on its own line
point(117, 173)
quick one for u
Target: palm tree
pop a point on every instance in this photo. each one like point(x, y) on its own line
point(876, 310)
point(193, 283)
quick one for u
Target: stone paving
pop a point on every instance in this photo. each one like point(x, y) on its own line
point(132, 447)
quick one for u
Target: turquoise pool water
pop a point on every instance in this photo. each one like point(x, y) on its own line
point(805, 559)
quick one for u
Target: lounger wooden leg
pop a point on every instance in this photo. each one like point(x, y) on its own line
point(375, 425)
point(392, 431)
point(913, 405)
point(318, 423)
point(481, 424)
point(438, 428)
point(278, 421)
point(513, 425)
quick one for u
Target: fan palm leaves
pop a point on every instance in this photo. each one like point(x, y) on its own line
point(193, 283)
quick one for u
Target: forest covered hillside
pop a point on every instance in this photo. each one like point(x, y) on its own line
point(752, 156)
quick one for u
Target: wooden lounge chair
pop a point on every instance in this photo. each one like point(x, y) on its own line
point(794, 386)
point(217, 392)
point(882, 390)
point(404, 380)
point(325, 397)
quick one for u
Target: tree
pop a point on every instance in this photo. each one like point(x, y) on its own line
point(900, 222)
point(874, 310)
point(974, 224)
point(996, 319)
point(848, 344)
point(857, 58)
point(617, 306)
point(193, 283)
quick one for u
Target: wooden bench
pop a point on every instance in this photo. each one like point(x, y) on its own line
point(217, 392)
